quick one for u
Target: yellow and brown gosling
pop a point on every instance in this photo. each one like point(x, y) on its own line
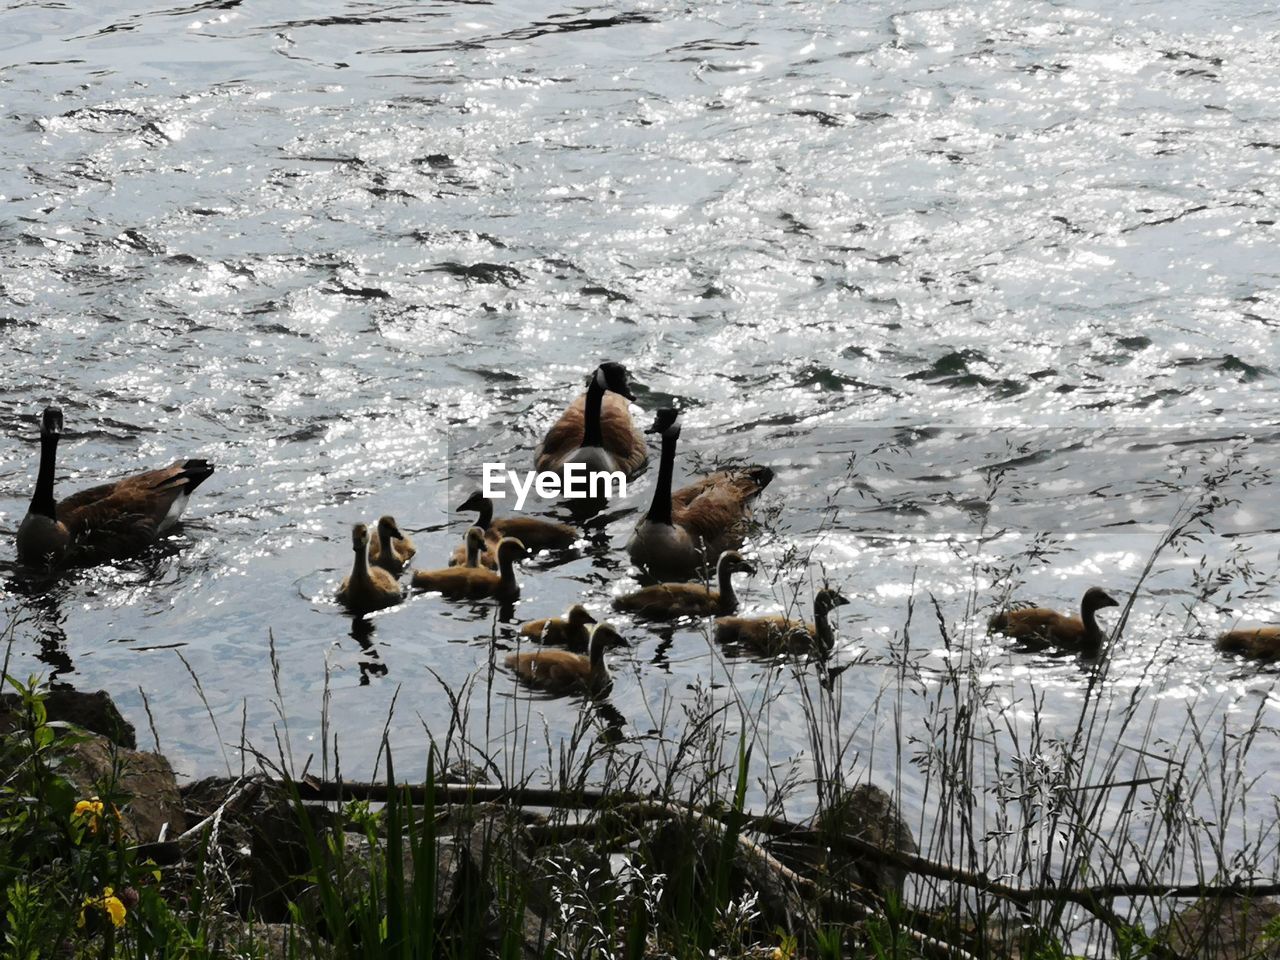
point(477, 583)
point(402, 549)
point(572, 630)
point(473, 546)
point(106, 522)
point(1256, 643)
point(559, 671)
point(1045, 626)
point(666, 601)
point(367, 588)
point(534, 532)
point(684, 529)
point(771, 636)
point(596, 429)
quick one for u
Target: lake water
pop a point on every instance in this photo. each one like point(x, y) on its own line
point(349, 250)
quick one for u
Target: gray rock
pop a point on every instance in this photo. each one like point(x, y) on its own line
point(97, 765)
point(1224, 929)
point(95, 712)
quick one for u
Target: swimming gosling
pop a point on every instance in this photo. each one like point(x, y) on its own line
point(560, 672)
point(666, 601)
point(1043, 625)
point(571, 631)
point(1256, 643)
point(367, 588)
point(477, 583)
point(771, 636)
point(402, 549)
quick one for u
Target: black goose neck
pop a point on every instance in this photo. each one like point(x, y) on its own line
point(42, 501)
point(660, 509)
point(592, 433)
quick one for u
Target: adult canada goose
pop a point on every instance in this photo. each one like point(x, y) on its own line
point(700, 520)
point(534, 532)
point(477, 583)
point(559, 671)
point(104, 522)
point(1256, 643)
point(402, 549)
point(571, 631)
point(596, 429)
point(367, 588)
point(1040, 624)
point(666, 601)
point(770, 636)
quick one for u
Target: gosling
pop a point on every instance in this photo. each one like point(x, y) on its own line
point(561, 672)
point(666, 601)
point(571, 631)
point(477, 583)
point(367, 588)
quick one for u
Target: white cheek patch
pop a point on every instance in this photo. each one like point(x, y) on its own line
point(600, 380)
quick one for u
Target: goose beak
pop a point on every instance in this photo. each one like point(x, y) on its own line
point(591, 619)
point(1108, 601)
point(625, 391)
point(748, 568)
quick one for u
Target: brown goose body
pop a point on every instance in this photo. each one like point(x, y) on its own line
point(572, 630)
point(402, 549)
point(560, 672)
point(106, 522)
point(1043, 625)
point(774, 635)
point(366, 588)
point(1256, 643)
point(698, 521)
point(666, 601)
point(596, 428)
point(476, 583)
point(534, 532)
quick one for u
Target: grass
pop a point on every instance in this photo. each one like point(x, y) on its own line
point(1033, 838)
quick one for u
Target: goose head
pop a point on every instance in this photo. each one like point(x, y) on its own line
point(388, 529)
point(474, 502)
point(1095, 598)
point(579, 617)
point(51, 423)
point(731, 561)
point(828, 599)
point(510, 550)
point(665, 419)
point(613, 376)
point(604, 637)
point(360, 538)
point(474, 538)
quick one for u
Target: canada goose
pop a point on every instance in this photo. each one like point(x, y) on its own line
point(1256, 643)
point(534, 532)
point(570, 631)
point(402, 549)
point(105, 522)
point(666, 601)
point(559, 671)
point(704, 518)
point(477, 583)
point(1048, 626)
point(596, 429)
point(367, 588)
point(770, 636)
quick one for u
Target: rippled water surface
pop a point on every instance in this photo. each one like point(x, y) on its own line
point(342, 249)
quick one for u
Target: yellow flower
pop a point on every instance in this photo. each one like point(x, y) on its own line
point(109, 904)
point(114, 907)
point(89, 811)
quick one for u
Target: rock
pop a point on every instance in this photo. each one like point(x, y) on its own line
point(97, 765)
point(1224, 929)
point(867, 813)
point(95, 712)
